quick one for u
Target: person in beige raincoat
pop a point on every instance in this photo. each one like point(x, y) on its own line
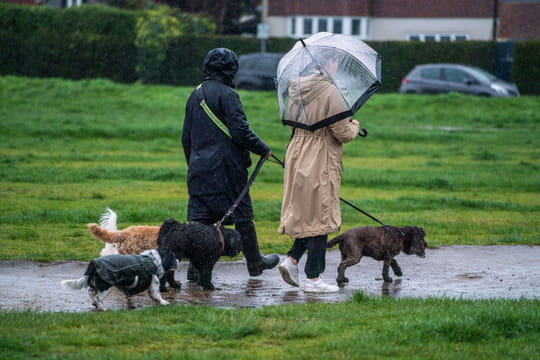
point(310, 209)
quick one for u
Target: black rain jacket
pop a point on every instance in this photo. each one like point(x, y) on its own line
point(218, 164)
point(121, 270)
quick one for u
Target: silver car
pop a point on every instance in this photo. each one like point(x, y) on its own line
point(443, 78)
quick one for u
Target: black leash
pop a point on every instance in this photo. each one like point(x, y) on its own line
point(277, 161)
point(363, 212)
point(244, 190)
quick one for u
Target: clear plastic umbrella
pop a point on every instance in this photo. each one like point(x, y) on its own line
point(332, 61)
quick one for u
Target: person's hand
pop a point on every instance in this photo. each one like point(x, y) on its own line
point(355, 123)
point(267, 156)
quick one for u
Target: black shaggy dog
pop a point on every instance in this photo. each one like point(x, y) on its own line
point(202, 244)
point(380, 243)
point(131, 274)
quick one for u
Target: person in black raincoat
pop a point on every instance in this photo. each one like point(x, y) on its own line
point(217, 141)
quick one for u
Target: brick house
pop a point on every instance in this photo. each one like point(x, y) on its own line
point(405, 20)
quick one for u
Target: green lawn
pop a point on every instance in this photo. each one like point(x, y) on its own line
point(464, 168)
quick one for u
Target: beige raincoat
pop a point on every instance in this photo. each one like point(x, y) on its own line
point(313, 162)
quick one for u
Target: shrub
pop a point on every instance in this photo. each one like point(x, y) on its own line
point(156, 30)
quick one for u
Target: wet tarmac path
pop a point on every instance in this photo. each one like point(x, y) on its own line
point(471, 272)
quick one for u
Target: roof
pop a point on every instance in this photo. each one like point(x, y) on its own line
point(383, 8)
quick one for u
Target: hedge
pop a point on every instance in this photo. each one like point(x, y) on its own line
point(526, 67)
point(98, 41)
point(86, 42)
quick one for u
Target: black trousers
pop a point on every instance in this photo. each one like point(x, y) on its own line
point(316, 258)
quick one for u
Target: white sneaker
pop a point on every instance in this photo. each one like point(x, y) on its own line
point(319, 286)
point(289, 272)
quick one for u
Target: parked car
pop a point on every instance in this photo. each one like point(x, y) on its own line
point(257, 71)
point(443, 78)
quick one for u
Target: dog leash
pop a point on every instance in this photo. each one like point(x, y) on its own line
point(277, 161)
point(239, 198)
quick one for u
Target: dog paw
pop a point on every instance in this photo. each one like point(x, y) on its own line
point(163, 302)
point(176, 285)
point(388, 279)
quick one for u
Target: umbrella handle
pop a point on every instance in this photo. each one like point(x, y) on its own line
point(363, 132)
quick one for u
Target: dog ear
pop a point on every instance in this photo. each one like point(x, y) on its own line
point(408, 237)
point(165, 228)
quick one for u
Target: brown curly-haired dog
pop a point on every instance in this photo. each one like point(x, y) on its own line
point(380, 243)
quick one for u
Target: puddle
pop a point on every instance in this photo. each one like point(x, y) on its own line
point(473, 272)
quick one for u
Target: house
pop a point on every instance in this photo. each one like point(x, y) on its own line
point(54, 3)
point(405, 20)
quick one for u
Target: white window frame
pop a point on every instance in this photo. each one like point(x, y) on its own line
point(437, 36)
point(346, 27)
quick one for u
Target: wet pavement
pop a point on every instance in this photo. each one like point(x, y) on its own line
point(471, 272)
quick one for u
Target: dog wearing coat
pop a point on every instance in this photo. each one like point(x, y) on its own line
point(131, 274)
point(202, 244)
point(381, 243)
point(193, 241)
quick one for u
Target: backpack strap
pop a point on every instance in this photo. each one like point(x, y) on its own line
point(202, 102)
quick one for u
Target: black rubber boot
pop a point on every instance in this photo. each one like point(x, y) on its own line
point(256, 263)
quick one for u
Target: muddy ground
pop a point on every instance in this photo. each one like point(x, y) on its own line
point(472, 272)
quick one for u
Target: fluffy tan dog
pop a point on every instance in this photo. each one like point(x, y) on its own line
point(132, 240)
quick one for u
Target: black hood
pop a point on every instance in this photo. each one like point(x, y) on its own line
point(221, 64)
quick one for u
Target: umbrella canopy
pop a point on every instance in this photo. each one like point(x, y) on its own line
point(324, 61)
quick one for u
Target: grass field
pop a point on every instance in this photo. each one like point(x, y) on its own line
point(464, 168)
point(362, 328)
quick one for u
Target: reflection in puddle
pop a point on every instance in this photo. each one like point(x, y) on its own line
point(457, 271)
point(391, 289)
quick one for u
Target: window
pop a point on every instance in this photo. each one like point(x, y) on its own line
point(249, 64)
point(455, 75)
point(303, 26)
point(355, 28)
point(308, 26)
point(437, 37)
point(338, 26)
point(445, 38)
point(430, 73)
point(323, 24)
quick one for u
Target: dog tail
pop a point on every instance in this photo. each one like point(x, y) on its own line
point(103, 234)
point(75, 284)
point(108, 220)
point(337, 240)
